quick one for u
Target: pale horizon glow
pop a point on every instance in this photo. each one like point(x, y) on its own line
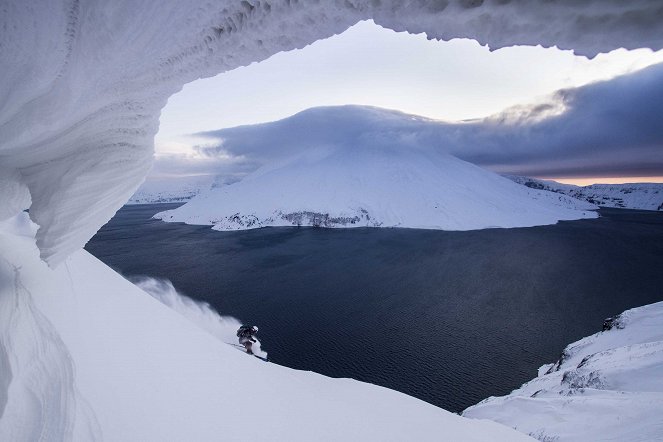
point(370, 65)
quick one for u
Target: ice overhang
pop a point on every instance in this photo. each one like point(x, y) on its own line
point(82, 82)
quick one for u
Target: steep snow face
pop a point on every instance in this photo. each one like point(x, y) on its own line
point(608, 386)
point(85, 355)
point(642, 196)
point(357, 170)
point(83, 81)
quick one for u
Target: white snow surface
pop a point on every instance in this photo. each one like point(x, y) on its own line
point(85, 355)
point(642, 196)
point(82, 82)
point(171, 189)
point(608, 386)
point(366, 174)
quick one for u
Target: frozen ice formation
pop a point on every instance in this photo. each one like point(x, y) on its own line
point(82, 82)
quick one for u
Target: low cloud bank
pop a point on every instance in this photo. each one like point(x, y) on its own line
point(608, 128)
point(224, 328)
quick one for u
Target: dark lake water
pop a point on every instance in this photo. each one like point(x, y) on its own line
point(448, 317)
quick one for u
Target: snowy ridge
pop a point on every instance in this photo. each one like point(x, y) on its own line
point(92, 356)
point(355, 172)
point(642, 196)
point(608, 386)
point(83, 81)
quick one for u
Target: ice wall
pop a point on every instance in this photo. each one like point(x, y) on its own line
point(82, 82)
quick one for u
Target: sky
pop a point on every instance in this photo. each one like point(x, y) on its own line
point(370, 65)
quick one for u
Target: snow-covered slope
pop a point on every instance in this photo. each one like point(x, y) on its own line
point(608, 386)
point(171, 190)
point(82, 82)
point(364, 175)
point(87, 356)
point(643, 196)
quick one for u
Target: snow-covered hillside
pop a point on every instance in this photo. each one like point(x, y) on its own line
point(171, 190)
point(643, 196)
point(86, 356)
point(608, 386)
point(356, 173)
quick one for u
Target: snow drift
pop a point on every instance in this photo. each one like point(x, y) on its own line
point(83, 81)
point(359, 167)
point(608, 386)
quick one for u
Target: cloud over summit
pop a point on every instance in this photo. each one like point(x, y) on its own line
point(609, 128)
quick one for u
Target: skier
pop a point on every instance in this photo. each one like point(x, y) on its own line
point(247, 336)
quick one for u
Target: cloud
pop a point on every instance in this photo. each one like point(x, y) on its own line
point(200, 162)
point(609, 128)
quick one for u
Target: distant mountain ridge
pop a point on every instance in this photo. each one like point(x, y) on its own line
point(642, 196)
point(171, 190)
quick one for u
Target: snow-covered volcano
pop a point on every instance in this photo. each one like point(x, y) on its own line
point(367, 171)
